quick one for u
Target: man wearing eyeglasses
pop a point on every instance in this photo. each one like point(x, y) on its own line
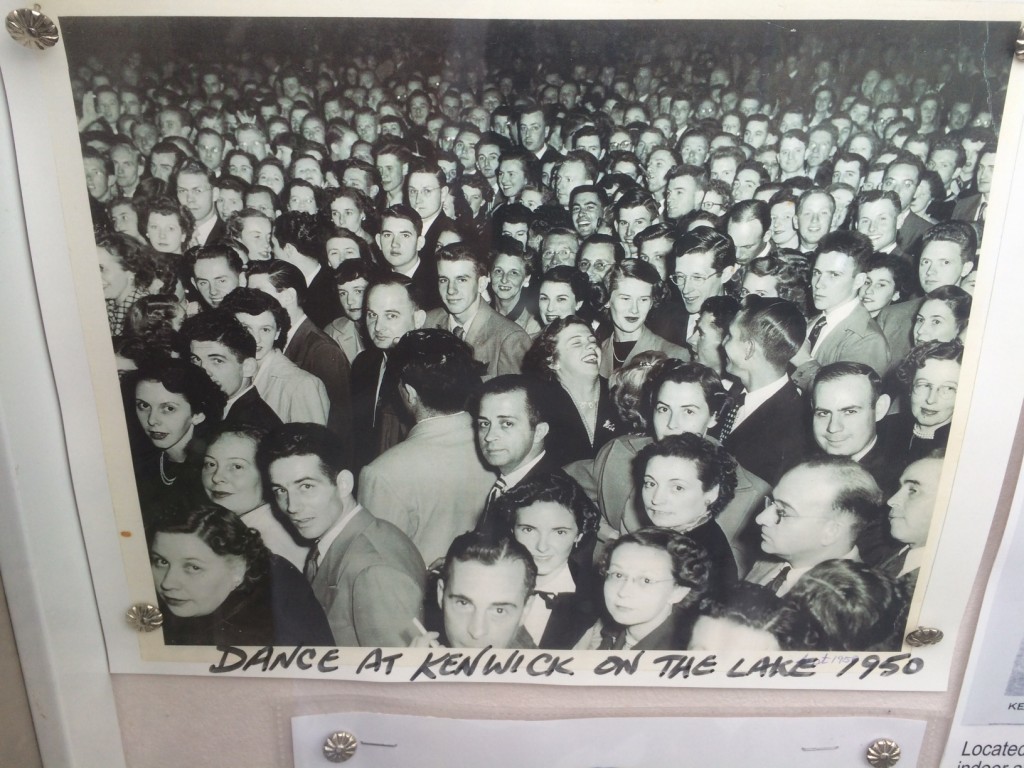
point(701, 263)
point(902, 176)
point(426, 189)
point(815, 513)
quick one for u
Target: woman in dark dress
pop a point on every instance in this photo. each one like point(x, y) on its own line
point(577, 403)
point(176, 404)
point(552, 517)
point(684, 482)
point(218, 584)
point(930, 372)
point(654, 578)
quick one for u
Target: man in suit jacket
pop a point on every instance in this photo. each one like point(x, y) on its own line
point(298, 239)
point(844, 331)
point(432, 485)
point(511, 429)
point(194, 184)
point(426, 189)
point(224, 348)
point(307, 346)
point(497, 342)
point(974, 207)
point(765, 426)
point(814, 514)
point(366, 574)
point(377, 413)
point(902, 176)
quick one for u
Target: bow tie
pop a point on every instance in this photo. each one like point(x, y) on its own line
point(547, 597)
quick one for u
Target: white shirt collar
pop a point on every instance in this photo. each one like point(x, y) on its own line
point(795, 573)
point(757, 398)
point(512, 478)
point(234, 398)
point(324, 542)
point(833, 317)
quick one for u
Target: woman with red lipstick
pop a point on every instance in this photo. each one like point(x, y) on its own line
point(552, 517)
point(930, 372)
point(218, 584)
point(633, 285)
point(685, 481)
point(580, 410)
point(176, 404)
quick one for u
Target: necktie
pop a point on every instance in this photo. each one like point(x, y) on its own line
point(812, 337)
point(981, 211)
point(729, 420)
point(460, 332)
point(496, 490)
point(312, 562)
point(780, 578)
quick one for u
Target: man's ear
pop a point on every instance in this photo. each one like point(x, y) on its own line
point(440, 594)
point(377, 239)
point(859, 279)
point(409, 393)
point(727, 273)
point(541, 432)
point(243, 279)
point(882, 407)
point(419, 318)
point(345, 483)
point(420, 242)
point(249, 367)
point(482, 284)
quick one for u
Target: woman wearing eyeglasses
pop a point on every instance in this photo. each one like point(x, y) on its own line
point(930, 372)
point(653, 580)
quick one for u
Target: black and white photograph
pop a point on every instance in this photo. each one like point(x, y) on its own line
point(443, 336)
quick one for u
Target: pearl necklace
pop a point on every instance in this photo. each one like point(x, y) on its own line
point(167, 479)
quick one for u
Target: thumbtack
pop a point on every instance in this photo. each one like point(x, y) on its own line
point(32, 28)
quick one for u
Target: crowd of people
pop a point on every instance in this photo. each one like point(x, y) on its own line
point(649, 351)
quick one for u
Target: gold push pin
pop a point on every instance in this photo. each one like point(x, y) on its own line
point(924, 636)
point(884, 753)
point(144, 617)
point(32, 28)
point(340, 746)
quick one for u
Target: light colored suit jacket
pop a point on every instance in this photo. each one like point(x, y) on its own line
point(370, 583)
point(649, 341)
point(856, 339)
point(294, 394)
point(431, 485)
point(897, 323)
point(497, 342)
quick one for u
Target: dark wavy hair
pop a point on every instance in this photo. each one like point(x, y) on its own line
point(556, 488)
point(676, 371)
point(715, 466)
point(190, 381)
point(540, 357)
point(922, 353)
point(849, 606)
point(221, 530)
point(690, 564)
point(133, 257)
